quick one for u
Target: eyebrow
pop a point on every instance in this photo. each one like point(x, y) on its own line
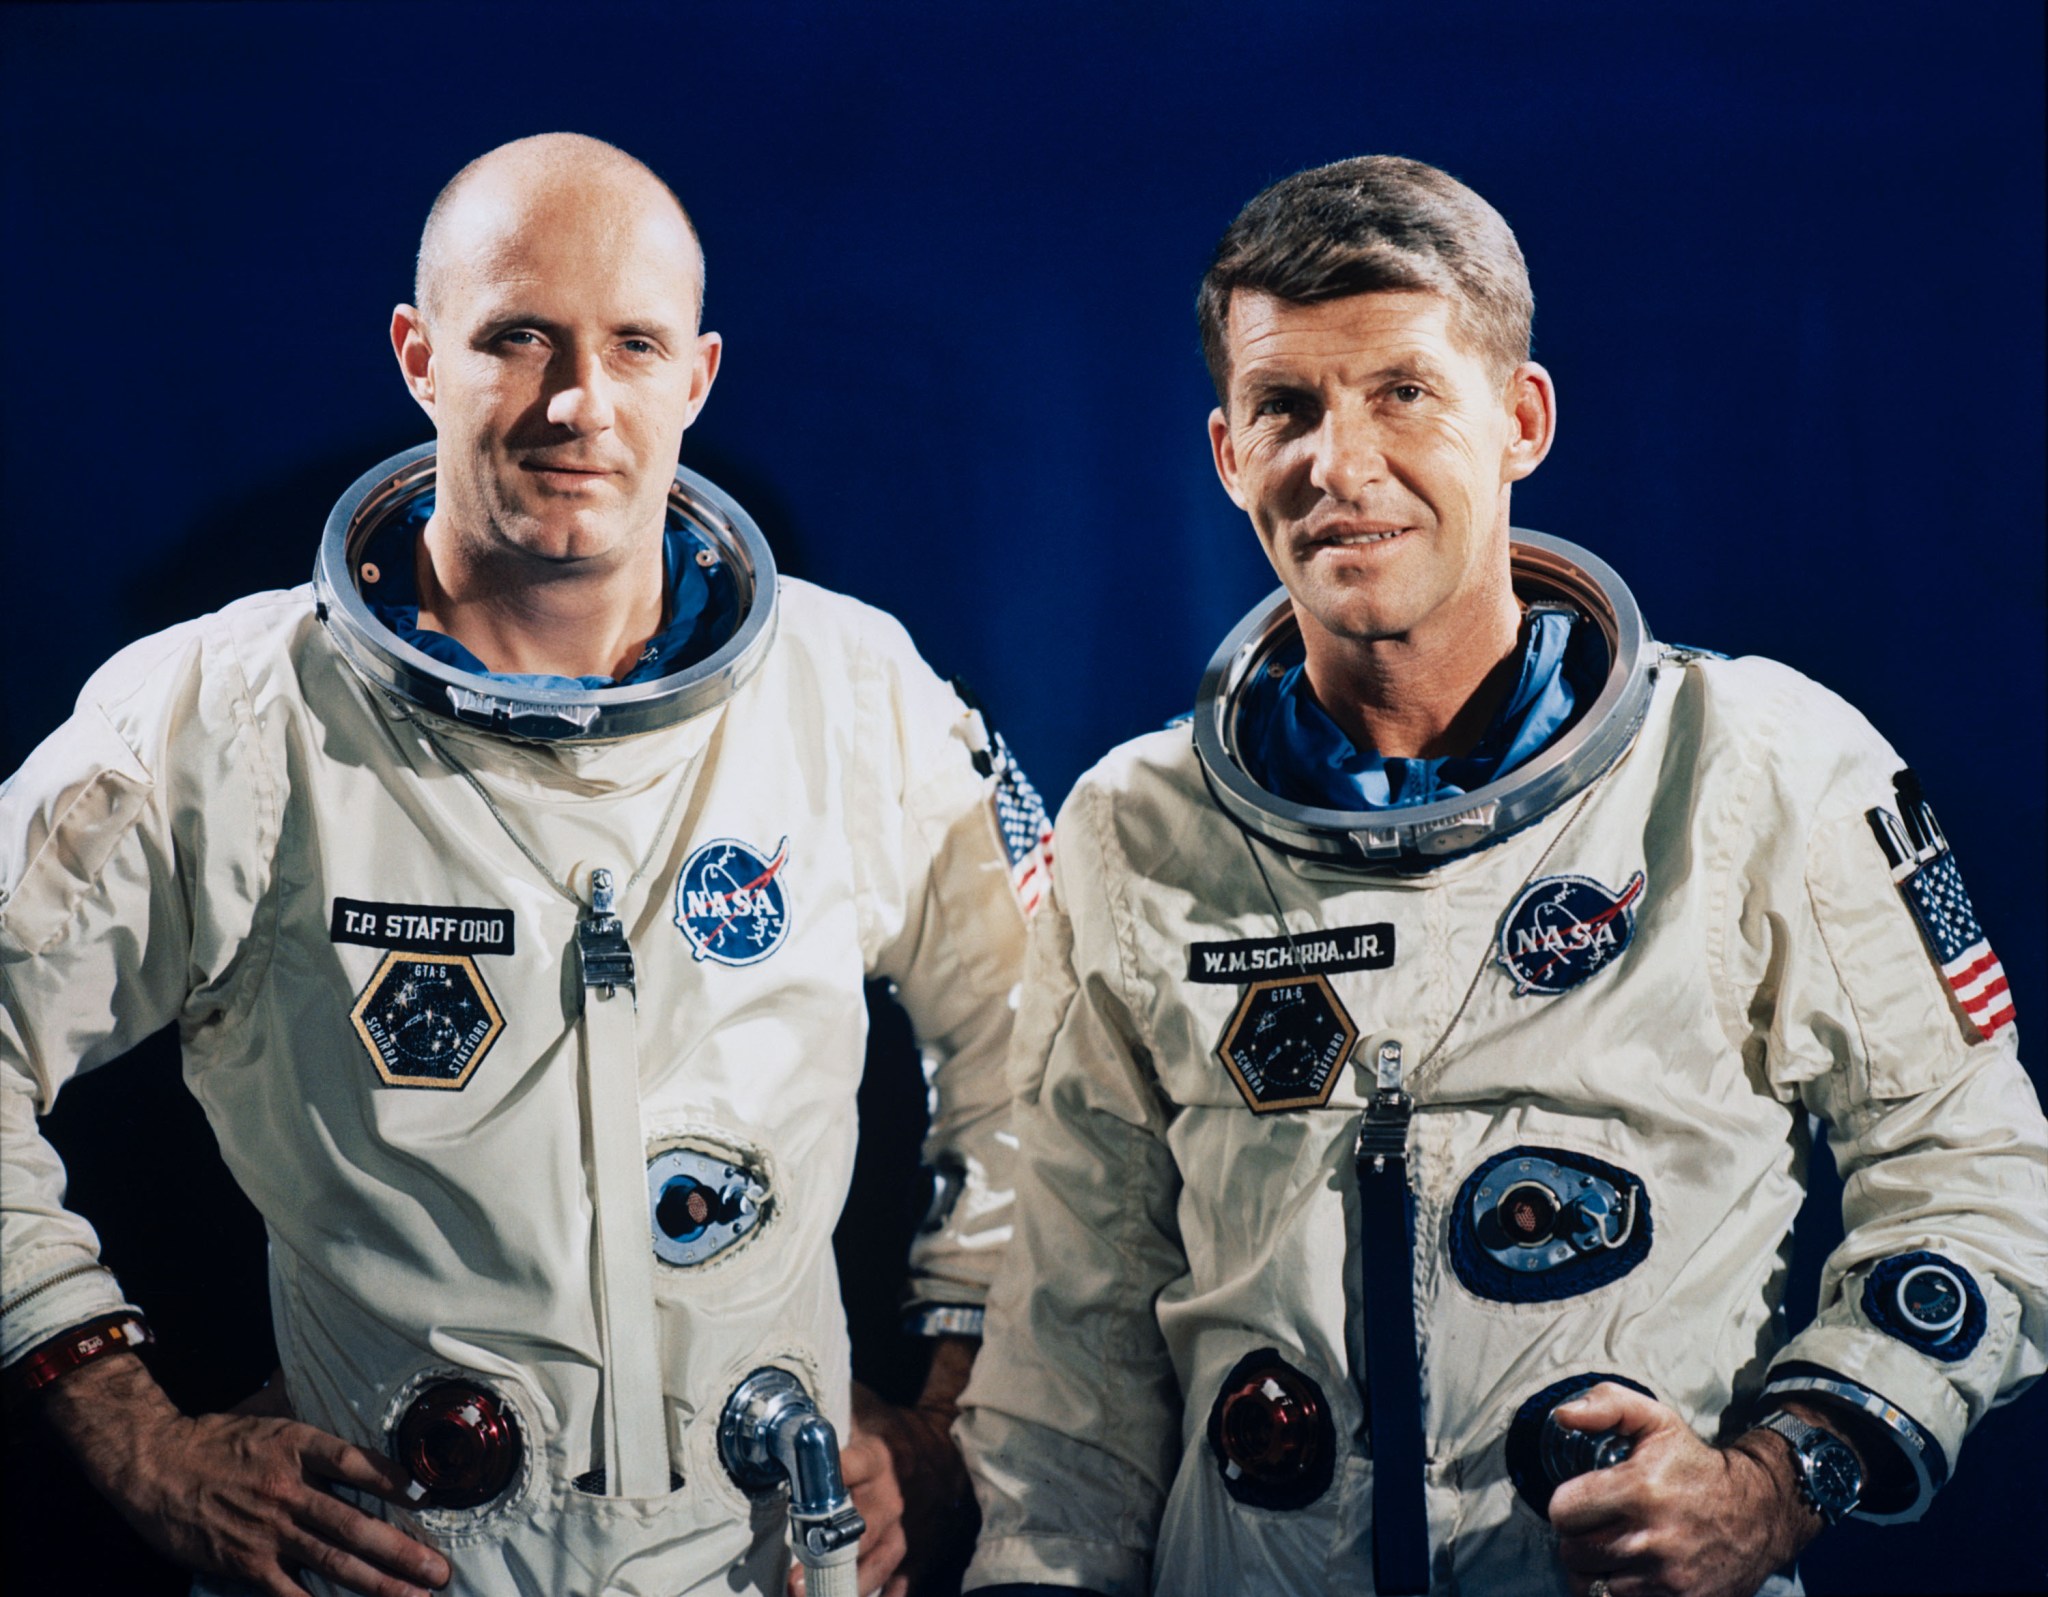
point(1282, 375)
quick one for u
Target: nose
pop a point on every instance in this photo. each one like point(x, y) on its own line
point(583, 400)
point(1347, 454)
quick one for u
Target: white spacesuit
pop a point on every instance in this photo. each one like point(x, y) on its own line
point(1590, 1007)
point(410, 1025)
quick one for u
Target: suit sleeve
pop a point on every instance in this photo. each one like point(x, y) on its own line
point(1071, 1425)
point(109, 866)
point(945, 925)
point(1936, 1301)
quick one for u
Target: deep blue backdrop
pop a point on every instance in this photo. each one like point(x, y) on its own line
point(1788, 263)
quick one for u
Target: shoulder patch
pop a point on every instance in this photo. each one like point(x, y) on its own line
point(1924, 871)
point(1021, 819)
point(1025, 827)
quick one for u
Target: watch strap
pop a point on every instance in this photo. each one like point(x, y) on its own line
point(50, 1361)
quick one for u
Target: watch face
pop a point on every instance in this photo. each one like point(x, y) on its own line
point(1833, 1478)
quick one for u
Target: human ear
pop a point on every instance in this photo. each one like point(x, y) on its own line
point(1531, 400)
point(415, 354)
point(703, 372)
point(1224, 450)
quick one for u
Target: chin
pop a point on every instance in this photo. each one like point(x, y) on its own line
point(1356, 616)
point(553, 534)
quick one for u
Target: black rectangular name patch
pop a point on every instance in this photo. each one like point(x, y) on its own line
point(422, 928)
point(1332, 950)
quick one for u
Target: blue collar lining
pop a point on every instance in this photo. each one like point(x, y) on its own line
point(1295, 750)
point(701, 612)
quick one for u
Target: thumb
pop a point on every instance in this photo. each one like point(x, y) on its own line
point(1610, 1407)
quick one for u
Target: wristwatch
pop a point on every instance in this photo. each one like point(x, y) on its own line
point(1830, 1479)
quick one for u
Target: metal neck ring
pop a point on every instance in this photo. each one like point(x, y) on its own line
point(515, 710)
point(1545, 570)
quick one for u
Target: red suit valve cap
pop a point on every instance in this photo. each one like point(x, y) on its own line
point(1272, 1434)
point(1271, 1425)
point(460, 1442)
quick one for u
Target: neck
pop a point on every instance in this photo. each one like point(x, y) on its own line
point(1428, 694)
point(518, 614)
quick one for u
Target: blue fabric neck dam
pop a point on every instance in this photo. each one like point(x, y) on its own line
point(700, 607)
point(1295, 750)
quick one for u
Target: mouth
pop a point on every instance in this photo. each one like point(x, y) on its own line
point(564, 476)
point(1350, 538)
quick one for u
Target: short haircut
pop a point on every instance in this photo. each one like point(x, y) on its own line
point(1373, 224)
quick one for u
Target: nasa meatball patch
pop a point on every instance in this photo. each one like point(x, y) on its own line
point(730, 902)
point(1564, 930)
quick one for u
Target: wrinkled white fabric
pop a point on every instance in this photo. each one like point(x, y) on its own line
point(1165, 1230)
point(175, 851)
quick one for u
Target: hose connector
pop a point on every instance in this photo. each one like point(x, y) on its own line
point(772, 1436)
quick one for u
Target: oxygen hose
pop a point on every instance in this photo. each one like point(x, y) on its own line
point(771, 1435)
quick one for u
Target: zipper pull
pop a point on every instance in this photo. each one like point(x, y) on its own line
point(1383, 1132)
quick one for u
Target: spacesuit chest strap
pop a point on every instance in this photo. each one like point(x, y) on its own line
point(1393, 1377)
point(635, 1414)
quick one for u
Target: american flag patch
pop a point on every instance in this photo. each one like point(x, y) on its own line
point(1925, 871)
point(1020, 813)
point(1026, 829)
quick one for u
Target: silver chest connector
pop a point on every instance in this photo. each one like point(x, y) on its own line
point(1383, 1133)
point(601, 942)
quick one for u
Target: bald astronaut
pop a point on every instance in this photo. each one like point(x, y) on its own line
point(513, 887)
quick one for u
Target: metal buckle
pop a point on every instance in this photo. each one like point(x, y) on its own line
point(601, 941)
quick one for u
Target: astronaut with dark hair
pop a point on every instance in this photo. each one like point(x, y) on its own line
point(1415, 1063)
point(513, 886)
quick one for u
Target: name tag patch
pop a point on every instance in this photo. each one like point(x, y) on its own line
point(421, 928)
point(1330, 951)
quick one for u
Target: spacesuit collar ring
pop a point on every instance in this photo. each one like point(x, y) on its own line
point(520, 710)
point(1548, 572)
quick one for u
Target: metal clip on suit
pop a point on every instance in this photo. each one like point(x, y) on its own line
point(601, 943)
point(1393, 1384)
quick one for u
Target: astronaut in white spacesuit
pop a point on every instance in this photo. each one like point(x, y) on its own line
point(513, 887)
point(1413, 1077)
